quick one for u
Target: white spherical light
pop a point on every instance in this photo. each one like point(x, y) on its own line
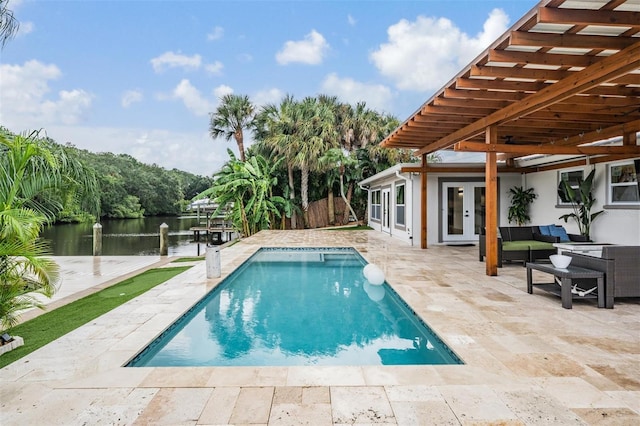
point(375, 276)
point(367, 269)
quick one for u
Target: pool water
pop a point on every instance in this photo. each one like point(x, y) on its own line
point(286, 307)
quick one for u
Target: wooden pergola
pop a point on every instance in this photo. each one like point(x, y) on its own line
point(565, 76)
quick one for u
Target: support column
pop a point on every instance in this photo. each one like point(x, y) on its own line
point(491, 194)
point(423, 203)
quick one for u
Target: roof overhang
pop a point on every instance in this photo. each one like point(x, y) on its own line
point(567, 74)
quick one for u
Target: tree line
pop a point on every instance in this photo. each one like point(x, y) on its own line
point(126, 188)
point(303, 151)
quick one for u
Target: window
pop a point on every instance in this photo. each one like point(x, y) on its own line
point(400, 204)
point(573, 177)
point(623, 183)
point(375, 204)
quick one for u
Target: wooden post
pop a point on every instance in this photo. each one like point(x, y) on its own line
point(97, 239)
point(164, 239)
point(491, 221)
point(423, 203)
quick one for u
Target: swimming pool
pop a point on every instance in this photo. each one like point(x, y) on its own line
point(285, 307)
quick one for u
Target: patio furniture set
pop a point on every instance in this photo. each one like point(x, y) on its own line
point(597, 270)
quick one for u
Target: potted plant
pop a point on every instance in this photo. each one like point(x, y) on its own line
point(520, 200)
point(581, 201)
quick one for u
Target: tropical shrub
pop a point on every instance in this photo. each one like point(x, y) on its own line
point(36, 178)
point(582, 201)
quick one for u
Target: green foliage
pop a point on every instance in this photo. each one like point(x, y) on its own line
point(9, 25)
point(520, 200)
point(235, 113)
point(37, 180)
point(52, 325)
point(581, 200)
point(130, 189)
point(245, 190)
point(302, 132)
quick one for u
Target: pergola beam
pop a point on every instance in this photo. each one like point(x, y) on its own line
point(608, 69)
point(552, 15)
point(467, 146)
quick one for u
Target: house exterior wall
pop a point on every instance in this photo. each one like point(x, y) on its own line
point(617, 225)
point(402, 232)
point(411, 232)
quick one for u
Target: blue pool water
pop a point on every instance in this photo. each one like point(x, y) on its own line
point(286, 307)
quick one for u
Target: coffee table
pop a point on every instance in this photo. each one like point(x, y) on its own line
point(566, 276)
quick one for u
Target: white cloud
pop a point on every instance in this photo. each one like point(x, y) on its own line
point(310, 51)
point(176, 60)
point(25, 28)
point(192, 98)
point(215, 34)
point(27, 102)
point(351, 20)
point(131, 96)
point(195, 151)
point(214, 68)
point(269, 96)
point(222, 90)
point(377, 96)
point(425, 54)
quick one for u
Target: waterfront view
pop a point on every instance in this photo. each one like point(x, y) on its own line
point(124, 237)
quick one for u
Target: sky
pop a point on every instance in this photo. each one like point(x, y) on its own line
point(141, 77)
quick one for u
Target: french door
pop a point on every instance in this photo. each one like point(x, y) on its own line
point(463, 206)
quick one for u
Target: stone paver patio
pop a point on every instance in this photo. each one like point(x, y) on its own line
point(528, 360)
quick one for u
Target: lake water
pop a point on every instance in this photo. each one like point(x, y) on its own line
point(124, 237)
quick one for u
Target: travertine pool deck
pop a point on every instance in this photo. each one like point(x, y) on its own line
point(528, 360)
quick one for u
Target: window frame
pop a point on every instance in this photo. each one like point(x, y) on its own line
point(635, 165)
point(376, 207)
point(402, 205)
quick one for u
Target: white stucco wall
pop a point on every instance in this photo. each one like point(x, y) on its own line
point(615, 225)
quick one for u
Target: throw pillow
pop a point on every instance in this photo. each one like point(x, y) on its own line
point(559, 231)
point(544, 229)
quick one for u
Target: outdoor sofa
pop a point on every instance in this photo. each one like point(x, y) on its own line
point(621, 267)
point(527, 243)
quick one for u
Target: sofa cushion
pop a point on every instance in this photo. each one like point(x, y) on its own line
point(515, 245)
point(540, 245)
point(559, 231)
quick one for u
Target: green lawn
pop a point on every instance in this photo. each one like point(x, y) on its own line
point(187, 259)
point(51, 325)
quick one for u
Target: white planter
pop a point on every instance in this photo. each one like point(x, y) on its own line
point(15, 343)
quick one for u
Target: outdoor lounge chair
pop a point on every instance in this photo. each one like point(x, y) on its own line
point(621, 266)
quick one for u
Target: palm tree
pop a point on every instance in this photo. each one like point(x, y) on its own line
point(337, 162)
point(276, 129)
point(34, 177)
point(317, 135)
point(9, 25)
point(360, 127)
point(234, 114)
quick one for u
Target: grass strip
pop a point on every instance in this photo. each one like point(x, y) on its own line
point(49, 326)
point(187, 259)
